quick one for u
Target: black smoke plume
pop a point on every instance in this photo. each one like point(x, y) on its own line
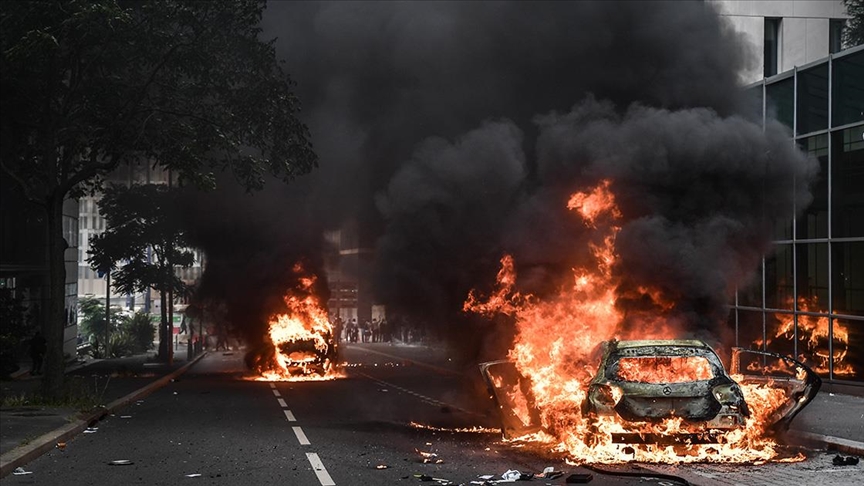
point(453, 132)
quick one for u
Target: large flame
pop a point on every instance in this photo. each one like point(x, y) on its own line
point(302, 338)
point(555, 350)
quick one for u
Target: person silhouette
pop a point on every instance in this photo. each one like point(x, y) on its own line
point(38, 347)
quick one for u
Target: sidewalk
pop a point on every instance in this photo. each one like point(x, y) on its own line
point(26, 432)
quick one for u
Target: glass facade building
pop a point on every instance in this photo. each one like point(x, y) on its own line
point(807, 299)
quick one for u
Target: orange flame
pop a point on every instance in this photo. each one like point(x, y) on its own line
point(302, 338)
point(813, 335)
point(555, 350)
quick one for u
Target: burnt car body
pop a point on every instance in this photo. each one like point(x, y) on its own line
point(309, 356)
point(653, 380)
point(648, 381)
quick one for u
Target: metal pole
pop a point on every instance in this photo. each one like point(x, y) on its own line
point(107, 310)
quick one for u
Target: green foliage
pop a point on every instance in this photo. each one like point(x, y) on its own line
point(139, 218)
point(853, 34)
point(140, 331)
point(91, 312)
point(90, 85)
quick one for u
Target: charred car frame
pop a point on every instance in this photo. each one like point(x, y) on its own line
point(653, 380)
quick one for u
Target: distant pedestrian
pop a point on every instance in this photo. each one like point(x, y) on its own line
point(38, 347)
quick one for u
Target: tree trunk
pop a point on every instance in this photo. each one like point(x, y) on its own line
point(54, 317)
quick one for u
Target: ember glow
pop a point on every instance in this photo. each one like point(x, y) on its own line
point(301, 346)
point(555, 350)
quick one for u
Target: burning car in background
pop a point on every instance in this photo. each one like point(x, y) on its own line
point(642, 385)
point(300, 341)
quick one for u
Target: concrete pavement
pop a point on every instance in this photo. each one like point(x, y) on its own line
point(26, 432)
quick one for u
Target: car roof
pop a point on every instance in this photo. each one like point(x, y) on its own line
point(693, 343)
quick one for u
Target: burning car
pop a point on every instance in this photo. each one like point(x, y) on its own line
point(650, 381)
point(640, 384)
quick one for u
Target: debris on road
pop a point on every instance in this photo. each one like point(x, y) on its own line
point(512, 475)
point(194, 475)
point(427, 478)
point(91, 430)
point(19, 471)
point(125, 416)
point(550, 473)
point(429, 457)
point(844, 461)
point(61, 446)
point(121, 462)
point(381, 466)
point(579, 478)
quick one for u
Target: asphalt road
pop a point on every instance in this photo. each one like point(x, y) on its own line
point(216, 426)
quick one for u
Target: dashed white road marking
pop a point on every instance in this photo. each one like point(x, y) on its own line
point(301, 437)
point(289, 416)
point(318, 467)
point(282, 402)
point(423, 398)
point(276, 393)
point(272, 385)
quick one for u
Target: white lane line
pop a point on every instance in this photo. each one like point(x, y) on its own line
point(276, 393)
point(423, 398)
point(289, 416)
point(320, 470)
point(272, 385)
point(282, 402)
point(301, 436)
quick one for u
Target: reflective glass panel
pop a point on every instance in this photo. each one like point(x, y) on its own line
point(848, 352)
point(812, 271)
point(813, 99)
point(780, 333)
point(813, 221)
point(848, 89)
point(847, 166)
point(813, 341)
point(750, 335)
point(750, 293)
point(847, 273)
point(778, 278)
point(781, 101)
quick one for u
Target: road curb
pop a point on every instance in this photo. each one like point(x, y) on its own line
point(44, 443)
point(846, 446)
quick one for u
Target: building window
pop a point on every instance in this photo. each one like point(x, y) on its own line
point(813, 221)
point(847, 193)
point(835, 36)
point(848, 89)
point(772, 46)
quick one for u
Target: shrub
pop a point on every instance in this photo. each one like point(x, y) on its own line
point(140, 331)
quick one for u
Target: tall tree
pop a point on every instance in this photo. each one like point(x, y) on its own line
point(89, 85)
point(139, 219)
point(853, 34)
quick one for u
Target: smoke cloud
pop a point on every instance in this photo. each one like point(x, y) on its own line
point(453, 132)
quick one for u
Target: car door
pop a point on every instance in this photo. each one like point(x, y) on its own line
point(512, 395)
point(799, 382)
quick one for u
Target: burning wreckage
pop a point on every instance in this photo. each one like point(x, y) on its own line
point(641, 394)
point(300, 342)
point(640, 384)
